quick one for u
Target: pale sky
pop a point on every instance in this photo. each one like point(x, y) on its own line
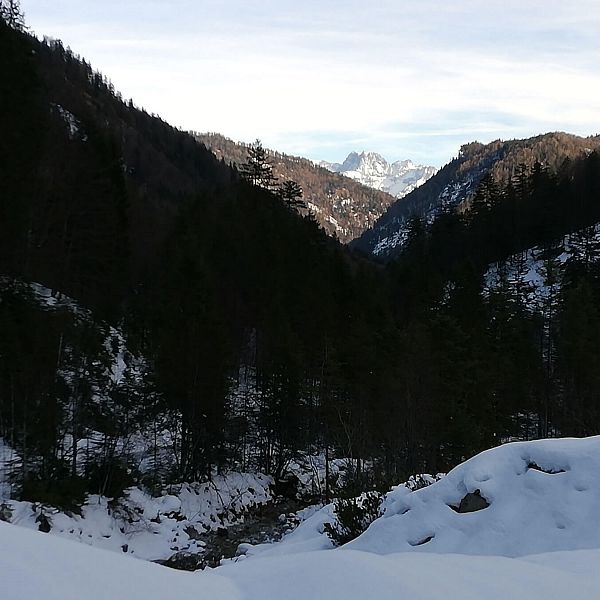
point(408, 79)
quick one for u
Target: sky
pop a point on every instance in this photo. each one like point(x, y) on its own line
point(405, 78)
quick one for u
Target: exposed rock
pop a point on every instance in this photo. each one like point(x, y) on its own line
point(472, 502)
point(45, 524)
point(423, 541)
point(193, 533)
point(5, 512)
point(549, 471)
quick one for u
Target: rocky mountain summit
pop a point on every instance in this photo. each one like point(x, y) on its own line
point(398, 178)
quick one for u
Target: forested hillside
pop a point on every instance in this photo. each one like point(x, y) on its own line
point(342, 207)
point(514, 283)
point(455, 184)
point(155, 304)
point(251, 327)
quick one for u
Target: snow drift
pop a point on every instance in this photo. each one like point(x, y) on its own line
point(35, 566)
point(543, 496)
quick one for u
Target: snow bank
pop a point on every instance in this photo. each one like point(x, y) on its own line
point(352, 575)
point(34, 565)
point(309, 536)
point(543, 497)
point(154, 528)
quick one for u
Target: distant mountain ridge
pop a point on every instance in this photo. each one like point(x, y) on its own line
point(457, 181)
point(369, 168)
point(343, 206)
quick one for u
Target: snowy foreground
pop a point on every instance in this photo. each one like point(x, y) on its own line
point(537, 535)
point(153, 528)
point(38, 566)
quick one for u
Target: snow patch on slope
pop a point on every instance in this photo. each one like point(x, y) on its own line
point(531, 266)
point(73, 124)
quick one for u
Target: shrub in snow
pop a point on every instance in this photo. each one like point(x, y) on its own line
point(353, 517)
point(5, 512)
point(420, 481)
point(66, 494)
point(109, 478)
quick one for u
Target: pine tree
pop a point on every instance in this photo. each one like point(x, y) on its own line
point(257, 169)
point(291, 193)
point(578, 357)
point(550, 270)
point(584, 250)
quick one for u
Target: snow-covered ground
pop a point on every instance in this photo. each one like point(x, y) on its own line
point(531, 267)
point(153, 528)
point(536, 536)
point(35, 566)
point(542, 497)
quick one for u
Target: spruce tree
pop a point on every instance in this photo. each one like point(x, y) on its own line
point(291, 193)
point(257, 169)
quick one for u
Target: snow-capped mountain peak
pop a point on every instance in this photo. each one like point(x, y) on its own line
point(370, 168)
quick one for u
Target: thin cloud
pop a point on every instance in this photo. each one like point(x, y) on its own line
point(402, 77)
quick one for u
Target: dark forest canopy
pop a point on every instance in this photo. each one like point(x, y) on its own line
point(247, 333)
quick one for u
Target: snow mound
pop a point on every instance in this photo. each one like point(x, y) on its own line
point(309, 536)
point(35, 566)
point(518, 499)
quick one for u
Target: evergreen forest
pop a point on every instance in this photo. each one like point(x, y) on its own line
point(153, 296)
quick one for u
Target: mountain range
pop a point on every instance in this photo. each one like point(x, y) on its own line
point(369, 168)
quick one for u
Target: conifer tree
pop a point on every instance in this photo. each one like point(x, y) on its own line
point(257, 169)
point(291, 193)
